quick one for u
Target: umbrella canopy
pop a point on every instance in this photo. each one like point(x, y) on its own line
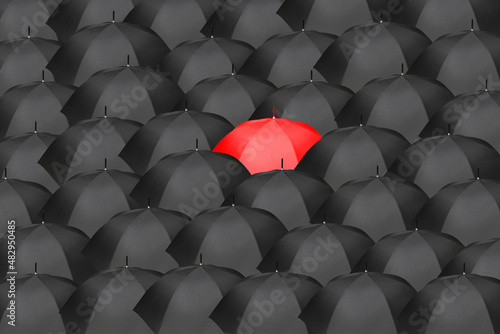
point(287, 58)
point(315, 103)
point(292, 196)
point(404, 103)
point(352, 153)
point(370, 51)
point(233, 237)
point(322, 252)
point(358, 303)
point(105, 46)
point(266, 303)
point(191, 181)
point(114, 294)
point(140, 234)
point(182, 300)
point(232, 96)
point(431, 163)
point(461, 61)
point(173, 132)
point(134, 93)
point(458, 304)
point(86, 147)
point(193, 61)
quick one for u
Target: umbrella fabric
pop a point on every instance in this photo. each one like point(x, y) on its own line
point(370, 51)
point(266, 303)
point(376, 205)
point(431, 163)
point(352, 153)
point(175, 21)
point(287, 58)
point(234, 237)
point(103, 46)
point(234, 97)
point(56, 249)
point(114, 294)
point(314, 103)
point(86, 147)
point(461, 61)
point(358, 303)
point(322, 252)
point(404, 103)
point(190, 182)
point(292, 196)
point(134, 93)
point(140, 234)
point(182, 300)
point(173, 132)
point(190, 62)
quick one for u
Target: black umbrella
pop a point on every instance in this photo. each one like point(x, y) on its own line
point(104, 303)
point(86, 146)
point(292, 196)
point(173, 133)
point(358, 303)
point(175, 21)
point(460, 304)
point(370, 51)
point(403, 103)
point(193, 61)
point(105, 46)
point(322, 252)
point(191, 181)
point(266, 303)
point(233, 237)
point(315, 103)
point(352, 153)
point(134, 93)
point(141, 234)
point(288, 58)
point(234, 97)
point(376, 205)
point(461, 61)
point(182, 300)
point(431, 163)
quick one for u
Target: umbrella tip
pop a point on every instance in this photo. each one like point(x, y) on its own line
point(402, 69)
point(416, 224)
point(149, 202)
point(113, 17)
point(43, 75)
point(303, 25)
point(29, 31)
point(378, 175)
point(324, 217)
point(212, 34)
point(360, 120)
point(472, 25)
point(105, 164)
point(486, 85)
point(232, 69)
point(274, 112)
point(197, 145)
point(311, 80)
point(449, 129)
point(233, 201)
point(477, 176)
point(126, 262)
point(201, 259)
point(277, 266)
point(128, 60)
point(43, 217)
point(281, 163)
point(5, 173)
point(105, 112)
point(36, 268)
point(36, 127)
point(366, 266)
point(463, 273)
point(186, 106)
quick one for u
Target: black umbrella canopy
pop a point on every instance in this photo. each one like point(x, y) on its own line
point(352, 153)
point(266, 303)
point(104, 303)
point(87, 146)
point(292, 196)
point(173, 133)
point(190, 62)
point(182, 300)
point(404, 103)
point(458, 304)
point(232, 96)
point(432, 163)
point(315, 103)
point(175, 21)
point(370, 51)
point(287, 58)
point(461, 61)
point(322, 252)
point(140, 234)
point(103, 46)
point(56, 249)
point(191, 181)
point(134, 93)
point(233, 237)
point(358, 303)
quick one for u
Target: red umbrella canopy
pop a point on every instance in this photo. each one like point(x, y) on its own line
point(261, 144)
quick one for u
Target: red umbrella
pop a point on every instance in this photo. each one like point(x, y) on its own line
point(261, 144)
